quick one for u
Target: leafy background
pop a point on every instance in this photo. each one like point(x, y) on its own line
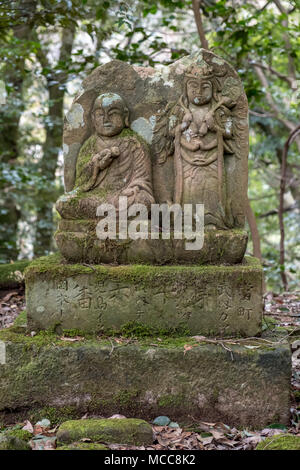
point(47, 48)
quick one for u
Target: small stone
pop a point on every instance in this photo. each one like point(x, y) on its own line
point(113, 431)
point(161, 421)
point(173, 425)
point(44, 423)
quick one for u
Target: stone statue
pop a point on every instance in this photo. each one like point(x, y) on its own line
point(113, 162)
point(184, 141)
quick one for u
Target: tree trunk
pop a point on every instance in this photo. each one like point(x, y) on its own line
point(10, 114)
point(54, 130)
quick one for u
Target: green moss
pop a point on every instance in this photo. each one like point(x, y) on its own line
point(55, 267)
point(171, 401)
point(297, 395)
point(83, 446)
point(139, 330)
point(56, 416)
point(21, 319)
point(11, 275)
point(124, 431)
point(19, 434)
point(280, 442)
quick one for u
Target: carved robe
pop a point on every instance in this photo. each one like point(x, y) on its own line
point(129, 174)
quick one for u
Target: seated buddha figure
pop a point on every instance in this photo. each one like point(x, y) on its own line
point(112, 162)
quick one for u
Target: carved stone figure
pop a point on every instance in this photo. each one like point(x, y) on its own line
point(185, 140)
point(201, 126)
point(113, 162)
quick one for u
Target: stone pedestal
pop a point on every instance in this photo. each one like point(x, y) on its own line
point(243, 384)
point(198, 300)
point(77, 242)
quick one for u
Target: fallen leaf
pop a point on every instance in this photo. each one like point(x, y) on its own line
point(28, 427)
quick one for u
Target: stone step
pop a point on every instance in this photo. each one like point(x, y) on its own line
point(242, 383)
point(207, 300)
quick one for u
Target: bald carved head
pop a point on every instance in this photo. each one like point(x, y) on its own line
point(109, 114)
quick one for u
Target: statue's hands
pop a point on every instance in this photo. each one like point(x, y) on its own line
point(200, 161)
point(104, 158)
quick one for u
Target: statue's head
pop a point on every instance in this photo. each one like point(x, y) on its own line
point(199, 85)
point(109, 114)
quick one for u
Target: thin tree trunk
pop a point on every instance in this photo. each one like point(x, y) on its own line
point(54, 130)
point(10, 116)
point(199, 24)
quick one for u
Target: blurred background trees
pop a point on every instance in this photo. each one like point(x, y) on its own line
point(47, 48)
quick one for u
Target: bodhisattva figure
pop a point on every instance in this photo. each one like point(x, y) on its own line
point(113, 162)
point(201, 127)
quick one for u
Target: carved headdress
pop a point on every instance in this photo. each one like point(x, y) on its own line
point(204, 72)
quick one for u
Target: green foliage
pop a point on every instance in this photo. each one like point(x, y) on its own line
point(143, 32)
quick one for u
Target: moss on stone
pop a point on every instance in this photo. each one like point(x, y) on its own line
point(11, 275)
point(20, 434)
point(55, 267)
point(171, 401)
point(139, 330)
point(140, 378)
point(83, 446)
point(280, 442)
point(15, 439)
point(122, 431)
point(21, 319)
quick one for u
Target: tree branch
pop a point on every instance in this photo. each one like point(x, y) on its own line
point(199, 24)
point(285, 24)
point(286, 78)
point(263, 80)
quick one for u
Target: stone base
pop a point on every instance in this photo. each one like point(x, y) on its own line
point(245, 385)
point(205, 300)
point(77, 241)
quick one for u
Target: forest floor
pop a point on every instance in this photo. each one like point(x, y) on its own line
point(280, 309)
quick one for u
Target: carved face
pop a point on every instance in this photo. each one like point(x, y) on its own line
point(109, 116)
point(199, 91)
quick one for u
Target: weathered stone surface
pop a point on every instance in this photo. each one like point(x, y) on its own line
point(207, 300)
point(174, 135)
point(15, 440)
point(78, 243)
point(247, 386)
point(111, 431)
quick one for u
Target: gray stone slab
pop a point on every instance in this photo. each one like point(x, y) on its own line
point(246, 384)
point(207, 300)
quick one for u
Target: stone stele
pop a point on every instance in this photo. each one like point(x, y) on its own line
point(177, 135)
